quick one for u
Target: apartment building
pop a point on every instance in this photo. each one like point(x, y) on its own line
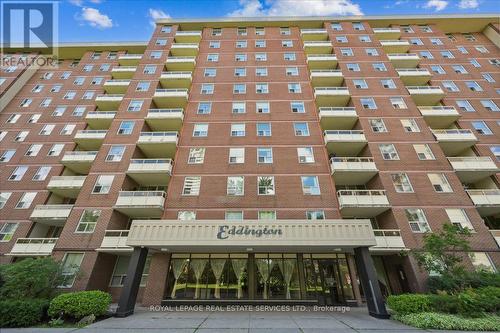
point(292, 160)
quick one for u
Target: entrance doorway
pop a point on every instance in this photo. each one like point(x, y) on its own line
point(331, 283)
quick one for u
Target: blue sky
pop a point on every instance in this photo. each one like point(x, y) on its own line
point(131, 20)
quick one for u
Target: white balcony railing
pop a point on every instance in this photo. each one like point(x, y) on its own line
point(33, 246)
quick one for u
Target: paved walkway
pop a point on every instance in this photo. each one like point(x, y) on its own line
point(355, 321)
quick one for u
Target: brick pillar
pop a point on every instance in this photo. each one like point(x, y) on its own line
point(154, 291)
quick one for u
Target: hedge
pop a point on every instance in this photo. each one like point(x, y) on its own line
point(409, 303)
point(22, 313)
point(80, 304)
point(433, 320)
point(456, 283)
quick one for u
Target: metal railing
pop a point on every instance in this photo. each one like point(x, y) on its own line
point(452, 131)
point(337, 109)
point(117, 81)
point(116, 233)
point(387, 232)
point(101, 113)
point(173, 110)
point(331, 88)
point(470, 159)
point(110, 95)
point(151, 161)
point(184, 44)
point(119, 68)
point(326, 71)
point(80, 153)
point(181, 58)
point(177, 73)
point(361, 192)
point(52, 207)
point(386, 30)
point(183, 90)
point(437, 108)
point(171, 133)
point(402, 55)
point(68, 178)
point(343, 132)
point(412, 70)
point(320, 31)
point(130, 56)
point(36, 240)
point(396, 41)
point(484, 192)
point(321, 56)
point(424, 88)
point(188, 32)
point(351, 159)
point(142, 194)
point(91, 132)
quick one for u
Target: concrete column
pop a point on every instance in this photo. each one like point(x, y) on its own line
point(130, 289)
point(368, 277)
point(354, 278)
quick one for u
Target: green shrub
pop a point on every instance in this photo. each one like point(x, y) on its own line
point(30, 278)
point(80, 304)
point(444, 303)
point(452, 283)
point(22, 313)
point(409, 303)
point(433, 320)
point(489, 299)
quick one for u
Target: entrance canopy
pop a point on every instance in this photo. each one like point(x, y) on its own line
point(251, 235)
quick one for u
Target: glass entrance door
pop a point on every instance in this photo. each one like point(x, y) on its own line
point(331, 282)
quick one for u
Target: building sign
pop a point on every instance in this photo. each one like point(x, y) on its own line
point(226, 231)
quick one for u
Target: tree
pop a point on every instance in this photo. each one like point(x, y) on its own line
point(443, 252)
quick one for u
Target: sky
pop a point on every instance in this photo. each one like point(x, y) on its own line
point(132, 20)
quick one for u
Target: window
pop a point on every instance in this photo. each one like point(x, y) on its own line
point(7, 231)
point(450, 86)
point(358, 26)
point(259, 31)
point(42, 173)
point(70, 267)
point(235, 185)
point(285, 31)
point(56, 149)
point(482, 261)
point(488, 104)
point(236, 155)
point(89, 94)
point(37, 88)
point(488, 77)
point(437, 69)
point(242, 31)
point(32, 151)
point(196, 155)
point(336, 26)
point(234, 215)
point(78, 111)
point(260, 56)
point(70, 95)
point(191, 186)
point(7, 155)
point(377, 125)
point(462, 50)
point(161, 42)
point(481, 49)
point(86, 68)
point(88, 221)
point(115, 153)
point(315, 215)
point(424, 152)
point(436, 41)
point(360, 84)
point(341, 39)
point(26, 200)
point(353, 67)
point(388, 151)
point(266, 215)
point(265, 185)
point(216, 31)
point(262, 107)
point(4, 197)
point(473, 86)
point(120, 271)
point(465, 105)
point(388, 84)
point(79, 81)
point(239, 88)
point(204, 107)
point(286, 43)
point(301, 129)
point(426, 55)
point(417, 220)
point(261, 88)
point(289, 56)
point(294, 88)
point(20, 136)
point(261, 71)
point(210, 72)
point(240, 57)
point(365, 39)
point(239, 107)
point(475, 63)
point(126, 128)
point(310, 185)
point(459, 218)
point(292, 71)
point(379, 67)
point(213, 57)
point(200, 130)
point(371, 52)
point(416, 41)
point(103, 184)
point(346, 52)
point(260, 43)
point(214, 45)
point(425, 28)
point(410, 125)
point(241, 44)
point(186, 215)
point(149, 69)
point(398, 103)
point(481, 127)
point(447, 54)
point(240, 72)
point(13, 118)
point(459, 69)
point(263, 129)
point(68, 129)
point(401, 183)
point(18, 173)
point(237, 129)
point(368, 103)
point(264, 155)
point(47, 129)
point(34, 118)
point(305, 154)
point(297, 107)
point(440, 183)
point(207, 89)
point(96, 81)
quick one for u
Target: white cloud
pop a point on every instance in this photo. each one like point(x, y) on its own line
point(78, 3)
point(468, 4)
point(250, 8)
point(438, 5)
point(95, 19)
point(156, 14)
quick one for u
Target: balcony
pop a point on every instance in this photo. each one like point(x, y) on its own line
point(170, 98)
point(184, 49)
point(454, 141)
point(129, 59)
point(140, 203)
point(54, 215)
point(326, 77)
point(388, 241)
point(395, 46)
point(333, 118)
point(66, 186)
point(345, 143)
point(114, 242)
point(180, 63)
point(176, 79)
point(439, 116)
point(314, 34)
point(33, 247)
point(90, 139)
point(362, 203)
point(332, 96)
point(426, 95)
point(414, 76)
point(188, 36)
point(116, 86)
point(352, 170)
point(471, 169)
point(318, 47)
point(123, 72)
point(321, 61)
point(100, 119)
point(387, 33)
point(150, 171)
point(108, 102)
point(165, 119)
point(487, 201)
point(79, 161)
point(158, 144)
point(496, 235)
point(404, 60)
